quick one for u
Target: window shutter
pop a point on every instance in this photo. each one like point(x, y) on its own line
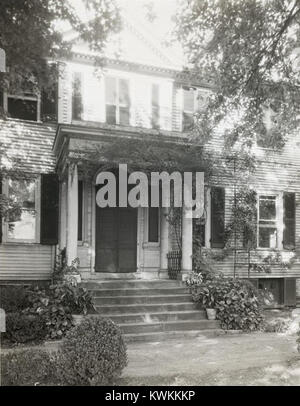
point(80, 209)
point(77, 96)
point(49, 209)
point(49, 105)
point(217, 217)
point(290, 291)
point(0, 212)
point(289, 217)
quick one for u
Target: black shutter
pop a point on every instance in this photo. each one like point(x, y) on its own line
point(0, 211)
point(217, 217)
point(49, 209)
point(290, 291)
point(289, 220)
point(153, 224)
point(49, 105)
point(77, 96)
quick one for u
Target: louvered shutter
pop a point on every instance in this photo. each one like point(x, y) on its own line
point(49, 209)
point(217, 217)
point(289, 219)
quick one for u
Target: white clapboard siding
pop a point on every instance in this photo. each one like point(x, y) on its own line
point(26, 262)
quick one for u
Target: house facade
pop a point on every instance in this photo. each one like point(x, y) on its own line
point(142, 94)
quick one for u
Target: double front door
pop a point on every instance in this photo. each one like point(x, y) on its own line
point(116, 239)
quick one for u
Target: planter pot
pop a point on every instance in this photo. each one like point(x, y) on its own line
point(77, 318)
point(211, 314)
point(73, 278)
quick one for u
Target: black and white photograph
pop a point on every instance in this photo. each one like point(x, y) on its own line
point(149, 196)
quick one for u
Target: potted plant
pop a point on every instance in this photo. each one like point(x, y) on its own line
point(205, 295)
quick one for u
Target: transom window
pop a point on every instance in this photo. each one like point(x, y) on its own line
point(117, 101)
point(267, 221)
point(22, 221)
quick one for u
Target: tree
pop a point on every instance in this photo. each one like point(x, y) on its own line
point(31, 36)
point(247, 50)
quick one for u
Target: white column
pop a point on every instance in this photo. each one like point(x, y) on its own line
point(164, 239)
point(186, 241)
point(72, 213)
point(63, 216)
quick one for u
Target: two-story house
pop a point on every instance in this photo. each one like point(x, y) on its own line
point(142, 94)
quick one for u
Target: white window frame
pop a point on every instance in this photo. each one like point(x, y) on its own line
point(278, 222)
point(32, 97)
point(6, 239)
point(118, 104)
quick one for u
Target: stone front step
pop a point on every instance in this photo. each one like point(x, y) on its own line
point(144, 308)
point(139, 292)
point(151, 310)
point(157, 317)
point(132, 284)
point(169, 335)
point(127, 300)
point(182, 325)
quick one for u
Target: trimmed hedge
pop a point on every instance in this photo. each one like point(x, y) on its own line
point(92, 353)
point(28, 368)
point(22, 328)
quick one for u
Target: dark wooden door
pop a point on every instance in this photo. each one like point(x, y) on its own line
point(116, 239)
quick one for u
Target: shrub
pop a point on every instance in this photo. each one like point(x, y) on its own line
point(92, 353)
point(22, 328)
point(56, 304)
point(298, 339)
point(13, 298)
point(235, 301)
point(27, 367)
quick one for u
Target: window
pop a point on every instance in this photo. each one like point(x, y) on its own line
point(117, 101)
point(153, 224)
point(22, 223)
point(23, 107)
point(188, 108)
point(155, 106)
point(267, 221)
point(217, 217)
point(77, 96)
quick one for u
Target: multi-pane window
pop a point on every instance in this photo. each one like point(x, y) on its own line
point(117, 101)
point(155, 117)
point(188, 110)
point(267, 221)
point(22, 220)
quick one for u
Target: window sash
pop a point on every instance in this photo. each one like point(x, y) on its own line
point(6, 237)
point(266, 225)
point(117, 101)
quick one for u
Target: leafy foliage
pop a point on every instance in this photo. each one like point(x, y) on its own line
point(27, 368)
point(93, 353)
point(56, 304)
point(247, 52)
point(22, 328)
point(298, 339)
point(31, 34)
point(13, 298)
point(235, 301)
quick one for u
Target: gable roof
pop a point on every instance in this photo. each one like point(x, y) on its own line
point(137, 42)
point(27, 145)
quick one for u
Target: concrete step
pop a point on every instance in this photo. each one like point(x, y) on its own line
point(144, 308)
point(169, 335)
point(131, 284)
point(155, 299)
point(181, 325)
point(157, 317)
point(139, 292)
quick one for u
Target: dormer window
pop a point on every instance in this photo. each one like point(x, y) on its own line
point(117, 101)
point(23, 107)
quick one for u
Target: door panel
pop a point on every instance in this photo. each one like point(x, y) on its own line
point(116, 239)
